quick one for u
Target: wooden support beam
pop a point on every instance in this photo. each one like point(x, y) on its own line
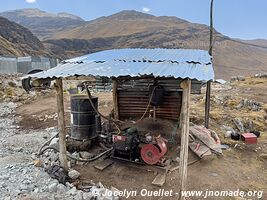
point(115, 99)
point(186, 85)
point(207, 104)
point(61, 125)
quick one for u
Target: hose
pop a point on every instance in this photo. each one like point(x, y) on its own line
point(46, 143)
point(78, 159)
point(93, 106)
point(150, 99)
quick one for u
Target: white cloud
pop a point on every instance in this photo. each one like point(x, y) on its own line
point(146, 9)
point(31, 1)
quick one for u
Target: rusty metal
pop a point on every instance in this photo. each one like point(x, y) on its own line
point(133, 98)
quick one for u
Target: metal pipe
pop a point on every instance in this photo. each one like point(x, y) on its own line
point(208, 90)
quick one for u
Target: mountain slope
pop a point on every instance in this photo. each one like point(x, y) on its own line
point(16, 40)
point(41, 23)
point(258, 42)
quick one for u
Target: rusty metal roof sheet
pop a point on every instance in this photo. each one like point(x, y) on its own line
point(177, 63)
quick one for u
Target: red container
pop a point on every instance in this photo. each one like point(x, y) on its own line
point(249, 138)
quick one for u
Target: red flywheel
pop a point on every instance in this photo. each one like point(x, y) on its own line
point(150, 154)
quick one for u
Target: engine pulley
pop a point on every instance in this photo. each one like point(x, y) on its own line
point(153, 152)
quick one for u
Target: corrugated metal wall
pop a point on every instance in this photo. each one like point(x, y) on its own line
point(25, 64)
point(133, 98)
point(8, 65)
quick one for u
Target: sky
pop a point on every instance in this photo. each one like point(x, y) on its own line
point(245, 19)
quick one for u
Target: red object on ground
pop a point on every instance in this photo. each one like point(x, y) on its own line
point(152, 153)
point(249, 138)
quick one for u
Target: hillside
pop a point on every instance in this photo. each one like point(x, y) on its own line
point(16, 40)
point(260, 42)
point(41, 23)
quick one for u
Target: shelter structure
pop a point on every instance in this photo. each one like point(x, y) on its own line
point(179, 71)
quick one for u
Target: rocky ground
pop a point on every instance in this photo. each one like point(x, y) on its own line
point(22, 173)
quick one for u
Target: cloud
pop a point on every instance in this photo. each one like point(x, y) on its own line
point(30, 1)
point(146, 9)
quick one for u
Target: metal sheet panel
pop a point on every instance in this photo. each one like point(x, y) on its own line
point(155, 55)
point(8, 65)
point(201, 69)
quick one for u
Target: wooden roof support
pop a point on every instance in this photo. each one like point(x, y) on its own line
point(61, 125)
point(115, 99)
point(186, 85)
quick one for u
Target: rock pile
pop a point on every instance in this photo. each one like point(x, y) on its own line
point(262, 75)
point(237, 78)
point(250, 104)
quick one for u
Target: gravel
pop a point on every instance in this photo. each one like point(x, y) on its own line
point(19, 178)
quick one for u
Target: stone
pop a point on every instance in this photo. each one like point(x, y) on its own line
point(73, 174)
point(23, 187)
point(72, 191)
point(227, 134)
point(37, 163)
point(79, 195)
point(69, 185)
point(87, 195)
point(54, 142)
point(159, 180)
point(61, 188)
point(86, 155)
point(52, 187)
point(239, 124)
point(213, 174)
point(263, 156)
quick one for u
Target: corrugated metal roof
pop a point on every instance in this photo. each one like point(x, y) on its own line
point(155, 55)
point(177, 63)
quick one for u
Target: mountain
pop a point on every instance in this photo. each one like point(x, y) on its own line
point(132, 29)
point(16, 40)
point(41, 23)
point(122, 24)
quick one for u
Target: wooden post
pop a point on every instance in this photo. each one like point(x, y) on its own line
point(207, 104)
point(115, 99)
point(61, 125)
point(186, 85)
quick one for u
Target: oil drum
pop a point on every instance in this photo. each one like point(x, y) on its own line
point(83, 117)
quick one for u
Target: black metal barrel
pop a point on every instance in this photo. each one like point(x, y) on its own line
point(83, 117)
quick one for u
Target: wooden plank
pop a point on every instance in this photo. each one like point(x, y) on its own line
point(61, 125)
point(115, 99)
point(159, 180)
point(186, 85)
point(103, 164)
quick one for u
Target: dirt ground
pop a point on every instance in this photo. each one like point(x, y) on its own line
point(240, 167)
